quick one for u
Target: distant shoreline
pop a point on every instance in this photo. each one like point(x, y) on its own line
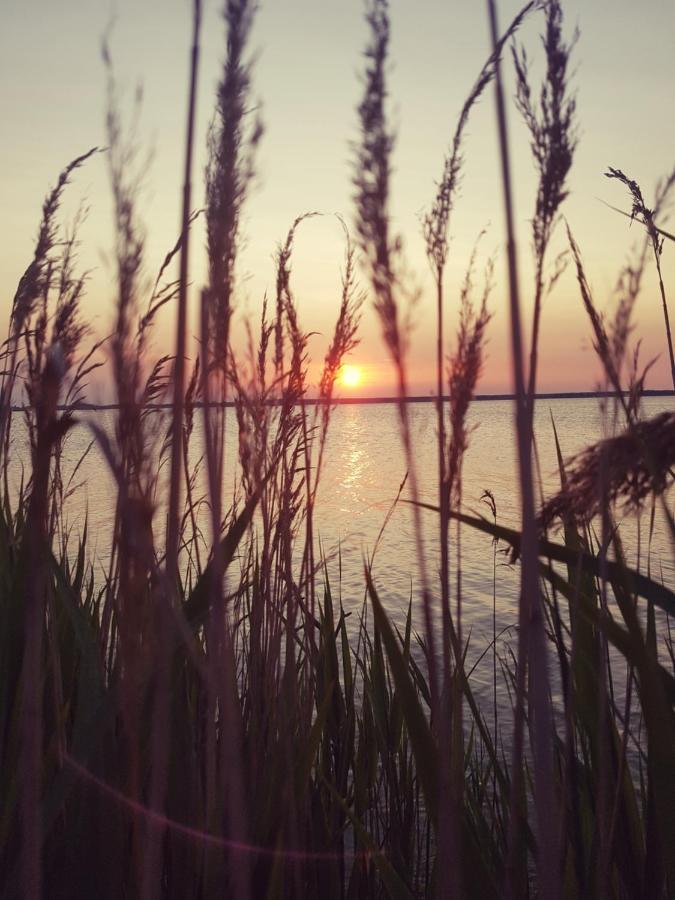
point(369, 401)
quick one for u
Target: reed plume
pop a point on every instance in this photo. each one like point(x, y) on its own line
point(49, 354)
point(344, 340)
point(464, 369)
point(435, 227)
point(382, 256)
point(435, 223)
point(34, 285)
point(551, 123)
point(615, 470)
point(229, 171)
point(643, 214)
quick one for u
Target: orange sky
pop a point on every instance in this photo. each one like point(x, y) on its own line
point(306, 76)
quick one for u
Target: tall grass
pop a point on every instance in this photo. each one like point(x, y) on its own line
point(204, 718)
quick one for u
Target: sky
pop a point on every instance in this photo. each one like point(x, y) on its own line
point(306, 81)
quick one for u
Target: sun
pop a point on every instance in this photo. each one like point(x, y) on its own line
point(351, 376)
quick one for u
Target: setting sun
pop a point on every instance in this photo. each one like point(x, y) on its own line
point(351, 376)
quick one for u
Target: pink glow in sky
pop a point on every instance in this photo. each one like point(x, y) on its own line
point(308, 58)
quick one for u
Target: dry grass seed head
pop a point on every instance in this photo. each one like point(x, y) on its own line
point(138, 429)
point(32, 283)
point(639, 209)
point(286, 315)
point(344, 335)
point(602, 342)
point(435, 222)
point(466, 363)
point(615, 470)
point(68, 328)
point(229, 171)
point(372, 170)
point(551, 122)
point(343, 342)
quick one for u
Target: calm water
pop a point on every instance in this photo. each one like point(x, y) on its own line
point(364, 466)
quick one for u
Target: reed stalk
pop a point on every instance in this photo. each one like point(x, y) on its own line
point(178, 411)
point(531, 637)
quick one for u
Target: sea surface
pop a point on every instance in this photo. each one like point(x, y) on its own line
point(364, 466)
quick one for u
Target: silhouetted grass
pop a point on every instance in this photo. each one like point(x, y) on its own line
point(202, 718)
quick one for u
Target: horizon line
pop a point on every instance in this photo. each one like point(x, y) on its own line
point(364, 401)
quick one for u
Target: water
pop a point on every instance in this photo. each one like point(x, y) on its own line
point(364, 466)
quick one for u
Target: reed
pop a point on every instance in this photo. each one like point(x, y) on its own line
point(532, 652)
point(552, 127)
